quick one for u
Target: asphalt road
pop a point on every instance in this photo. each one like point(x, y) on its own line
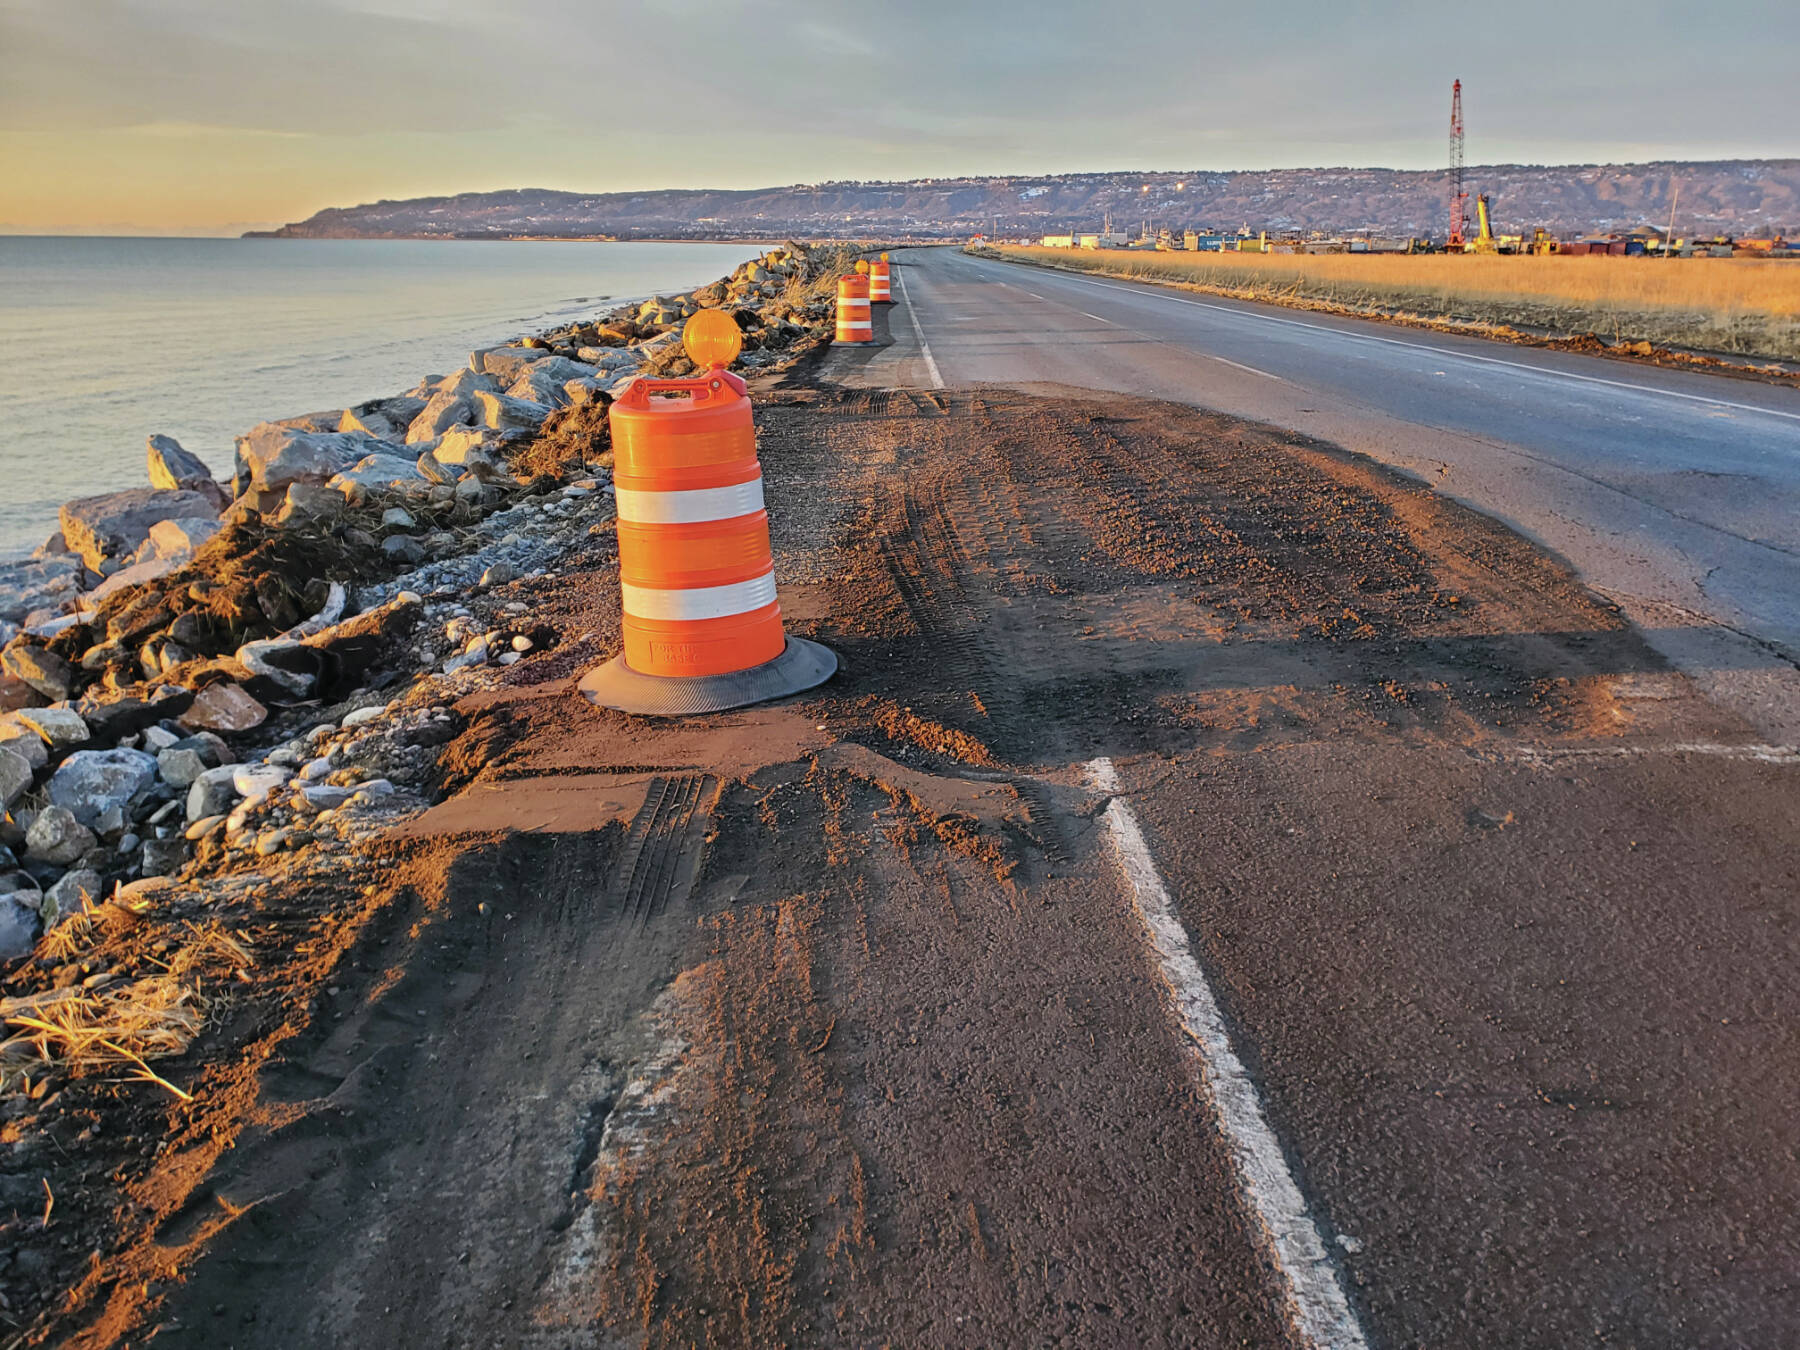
point(1676, 494)
point(1509, 987)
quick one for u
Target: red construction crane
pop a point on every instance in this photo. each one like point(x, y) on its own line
point(1459, 198)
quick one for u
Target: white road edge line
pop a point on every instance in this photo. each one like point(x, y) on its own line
point(1316, 1304)
point(1249, 370)
point(937, 380)
point(1762, 754)
point(1451, 353)
point(1096, 318)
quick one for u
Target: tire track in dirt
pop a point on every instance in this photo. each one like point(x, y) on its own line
point(662, 851)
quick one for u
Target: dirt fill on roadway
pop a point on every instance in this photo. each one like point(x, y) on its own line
point(821, 1023)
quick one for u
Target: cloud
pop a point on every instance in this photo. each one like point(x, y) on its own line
point(606, 94)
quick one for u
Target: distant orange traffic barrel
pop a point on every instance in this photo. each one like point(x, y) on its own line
point(853, 321)
point(700, 622)
point(880, 283)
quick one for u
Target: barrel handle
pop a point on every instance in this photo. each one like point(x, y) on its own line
point(713, 385)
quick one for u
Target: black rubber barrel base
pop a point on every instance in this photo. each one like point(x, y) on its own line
point(801, 665)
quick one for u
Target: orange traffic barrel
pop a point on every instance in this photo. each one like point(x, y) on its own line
point(853, 321)
point(700, 621)
point(880, 283)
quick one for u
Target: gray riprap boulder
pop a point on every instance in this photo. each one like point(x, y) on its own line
point(434, 471)
point(378, 471)
point(19, 925)
point(58, 728)
point(578, 393)
point(40, 668)
point(366, 421)
point(545, 381)
point(444, 411)
point(179, 538)
point(213, 793)
point(258, 780)
point(312, 421)
point(224, 707)
point(161, 857)
point(212, 749)
point(24, 742)
point(471, 489)
point(57, 837)
point(32, 584)
point(532, 387)
point(94, 783)
point(502, 413)
point(464, 383)
point(170, 466)
point(179, 767)
point(135, 575)
point(117, 523)
point(273, 457)
point(293, 666)
point(324, 796)
point(15, 776)
point(460, 442)
point(400, 410)
point(505, 363)
point(78, 890)
point(560, 369)
point(403, 548)
point(309, 501)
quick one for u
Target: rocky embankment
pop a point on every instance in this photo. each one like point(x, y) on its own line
point(200, 674)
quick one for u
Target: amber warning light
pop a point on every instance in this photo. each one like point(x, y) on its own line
point(712, 339)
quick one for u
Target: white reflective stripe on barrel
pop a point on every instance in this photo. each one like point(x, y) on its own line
point(701, 602)
point(690, 507)
point(855, 323)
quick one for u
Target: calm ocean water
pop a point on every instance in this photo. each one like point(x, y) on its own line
point(104, 341)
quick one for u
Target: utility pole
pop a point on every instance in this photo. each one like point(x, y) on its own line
point(1674, 196)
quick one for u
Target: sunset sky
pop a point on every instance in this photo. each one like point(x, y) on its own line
point(213, 116)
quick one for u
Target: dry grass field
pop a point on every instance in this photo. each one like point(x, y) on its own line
point(1740, 306)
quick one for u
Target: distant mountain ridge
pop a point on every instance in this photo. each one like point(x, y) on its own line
point(1724, 196)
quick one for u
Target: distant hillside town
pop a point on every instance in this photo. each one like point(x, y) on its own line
point(1643, 241)
point(1730, 199)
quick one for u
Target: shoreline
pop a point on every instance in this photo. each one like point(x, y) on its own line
point(283, 332)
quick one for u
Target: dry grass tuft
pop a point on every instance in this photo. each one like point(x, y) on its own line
point(123, 1025)
point(210, 950)
point(825, 263)
point(1742, 306)
point(77, 933)
point(84, 1030)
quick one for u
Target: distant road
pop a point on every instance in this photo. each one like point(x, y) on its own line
point(1675, 493)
